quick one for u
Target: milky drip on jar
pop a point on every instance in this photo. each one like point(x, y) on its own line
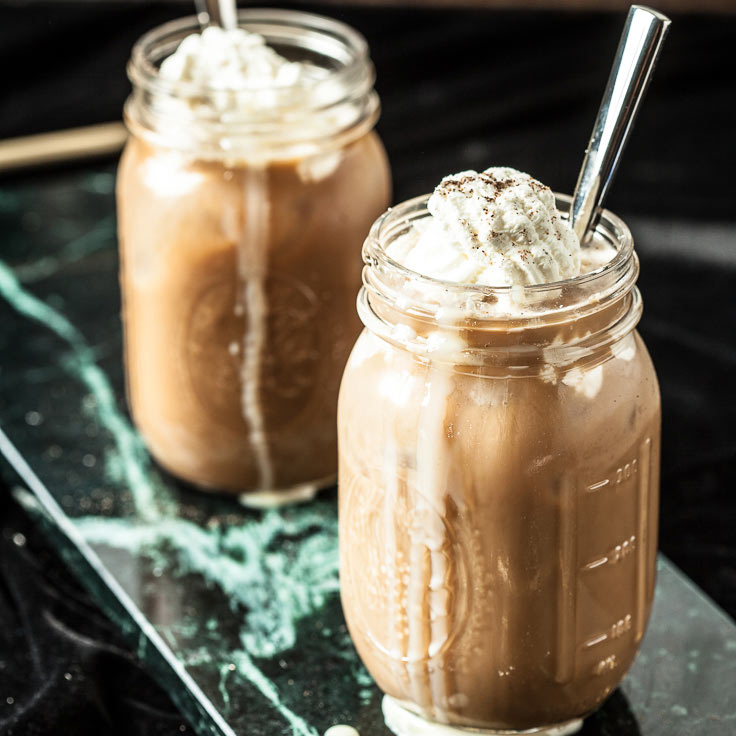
point(428, 585)
point(423, 578)
point(252, 262)
point(242, 76)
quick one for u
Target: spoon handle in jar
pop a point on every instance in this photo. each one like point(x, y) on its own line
point(223, 13)
point(638, 50)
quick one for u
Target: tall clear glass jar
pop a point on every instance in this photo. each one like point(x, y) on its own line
point(498, 490)
point(240, 258)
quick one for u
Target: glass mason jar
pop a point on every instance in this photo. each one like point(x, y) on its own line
point(240, 258)
point(498, 489)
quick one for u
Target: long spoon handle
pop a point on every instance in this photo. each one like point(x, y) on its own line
point(638, 50)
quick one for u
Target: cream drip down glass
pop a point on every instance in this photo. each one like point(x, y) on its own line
point(240, 235)
point(498, 489)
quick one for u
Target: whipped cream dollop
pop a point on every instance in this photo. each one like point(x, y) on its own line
point(499, 227)
point(238, 70)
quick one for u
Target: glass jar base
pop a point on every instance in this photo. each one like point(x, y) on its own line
point(403, 722)
point(273, 499)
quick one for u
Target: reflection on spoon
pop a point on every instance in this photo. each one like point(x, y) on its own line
point(638, 51)
point(223, 13)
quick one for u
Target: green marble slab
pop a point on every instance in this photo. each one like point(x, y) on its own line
point(236, 612)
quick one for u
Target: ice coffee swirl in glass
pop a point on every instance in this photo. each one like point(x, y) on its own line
point(498, 486)
point(249, 182)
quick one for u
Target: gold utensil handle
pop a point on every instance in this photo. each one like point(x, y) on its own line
point(62, 145)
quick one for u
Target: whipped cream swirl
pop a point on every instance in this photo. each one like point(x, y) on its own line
point(499, 227)
point(239, 71)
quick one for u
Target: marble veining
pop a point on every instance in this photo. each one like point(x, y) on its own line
point(247, 600)
point(80, 363)
point(240, 560)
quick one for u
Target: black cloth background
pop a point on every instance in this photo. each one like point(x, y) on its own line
point(460, 89)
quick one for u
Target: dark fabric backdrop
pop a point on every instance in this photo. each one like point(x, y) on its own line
point(460, 89)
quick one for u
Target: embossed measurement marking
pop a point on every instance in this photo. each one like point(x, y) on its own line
point(619, 476)
point(617, 629)
point(614, 555)
point(606, 665)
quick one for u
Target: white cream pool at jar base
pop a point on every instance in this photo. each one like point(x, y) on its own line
point(403, 722)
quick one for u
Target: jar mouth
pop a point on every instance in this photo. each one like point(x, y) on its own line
point(464, 323)
point(396, 221)
point(324, 110)
point(328, 44)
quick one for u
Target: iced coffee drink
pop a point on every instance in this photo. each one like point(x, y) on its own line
point(250, 180)
point(499, 425)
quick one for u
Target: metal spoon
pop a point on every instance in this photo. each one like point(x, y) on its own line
point(638, 51)
point(223, 13)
